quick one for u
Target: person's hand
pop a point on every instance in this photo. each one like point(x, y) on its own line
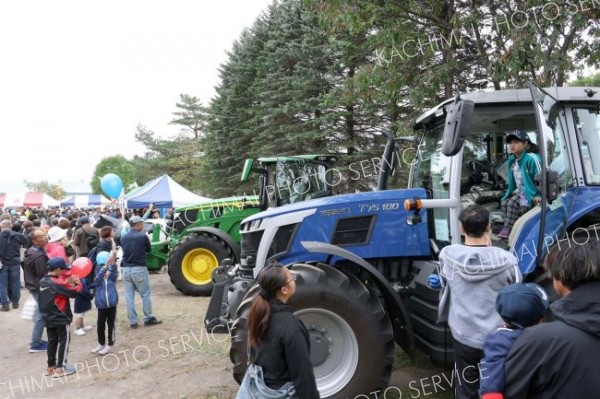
point(73, 279)
point(536, 200)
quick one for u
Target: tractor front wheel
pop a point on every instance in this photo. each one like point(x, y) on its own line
point(193, 260)
point(351, 337)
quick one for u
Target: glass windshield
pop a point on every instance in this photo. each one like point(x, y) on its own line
point(431, 171)
point(587, 121)
point(297, 180)
point(432, 168)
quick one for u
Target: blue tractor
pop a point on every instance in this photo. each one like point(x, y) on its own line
point(363, 260)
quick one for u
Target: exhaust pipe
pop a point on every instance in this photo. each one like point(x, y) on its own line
point(387, 160)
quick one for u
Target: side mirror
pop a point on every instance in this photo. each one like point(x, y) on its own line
point(458, 125)
point(551, 185)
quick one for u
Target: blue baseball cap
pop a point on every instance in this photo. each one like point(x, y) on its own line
point(522, 305)
point(57, 263)
point(135, 220)
point(519, 134)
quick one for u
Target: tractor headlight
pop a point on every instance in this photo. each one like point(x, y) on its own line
point(282, 240)
point(255, 224)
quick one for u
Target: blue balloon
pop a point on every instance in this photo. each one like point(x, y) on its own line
point(102, 258)
point(112, 185)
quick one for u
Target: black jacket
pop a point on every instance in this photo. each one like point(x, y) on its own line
point(284, 355)
point(53, 301)
point(135, 244)
point(10, 247)
point(560, 359)
point(34, 267)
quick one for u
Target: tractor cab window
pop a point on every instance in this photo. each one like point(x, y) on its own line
point(297, 180)
point(483, 177)
point(587, 121)
point(431, 171)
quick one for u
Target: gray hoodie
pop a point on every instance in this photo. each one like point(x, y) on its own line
point(471, 278)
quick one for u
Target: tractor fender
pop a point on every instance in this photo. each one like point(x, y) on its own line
point(403, 332)
point(235, 247)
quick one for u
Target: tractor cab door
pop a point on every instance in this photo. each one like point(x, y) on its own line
point(536, 231)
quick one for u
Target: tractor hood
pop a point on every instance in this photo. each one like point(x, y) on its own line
point(371, 225)
point(340, 201)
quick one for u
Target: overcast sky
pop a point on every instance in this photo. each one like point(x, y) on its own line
point(76, 77)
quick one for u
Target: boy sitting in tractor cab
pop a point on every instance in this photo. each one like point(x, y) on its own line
point(522, 193)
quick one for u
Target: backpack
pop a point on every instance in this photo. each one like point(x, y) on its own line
point(92, 256)
point(92, 240)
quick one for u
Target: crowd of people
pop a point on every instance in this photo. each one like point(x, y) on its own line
point(44, 244)
point(502, 346)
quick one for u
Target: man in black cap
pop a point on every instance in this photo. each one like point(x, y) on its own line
point(522, 193)
point(135, 245)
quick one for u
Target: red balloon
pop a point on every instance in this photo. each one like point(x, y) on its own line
point(81, 267)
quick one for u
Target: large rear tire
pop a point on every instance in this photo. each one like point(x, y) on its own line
point(352, 341)
point(193, 260)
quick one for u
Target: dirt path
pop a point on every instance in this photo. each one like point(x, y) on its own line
point(177, 359)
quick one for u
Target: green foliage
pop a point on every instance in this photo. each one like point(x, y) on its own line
point(324, 76)
point(53, 190)
point(192, 115)
point(592, 81)
point(116, 164)
point(178, 157)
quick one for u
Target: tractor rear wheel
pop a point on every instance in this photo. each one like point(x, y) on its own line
point(351, 337)
point(193, 260)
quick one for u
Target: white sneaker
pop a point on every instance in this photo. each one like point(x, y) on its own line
point(107, 349)
point(87, 328)
point(98, 348)
point(79, 331)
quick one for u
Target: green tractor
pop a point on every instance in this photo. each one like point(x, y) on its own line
point(202, 235)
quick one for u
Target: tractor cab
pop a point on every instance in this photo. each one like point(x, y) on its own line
point(462, 160)
point(291, 179)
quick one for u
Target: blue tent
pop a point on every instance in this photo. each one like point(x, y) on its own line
point(163, 192)
point(84, 201)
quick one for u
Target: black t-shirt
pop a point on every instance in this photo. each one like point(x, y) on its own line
point(135, 244)
point(10, 247)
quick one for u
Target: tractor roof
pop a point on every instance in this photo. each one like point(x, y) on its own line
point(292, 158)
point(508, 96)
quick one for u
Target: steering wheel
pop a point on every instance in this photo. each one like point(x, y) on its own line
point(476, 170)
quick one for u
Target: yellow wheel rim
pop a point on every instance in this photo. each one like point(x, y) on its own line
point(198, 264)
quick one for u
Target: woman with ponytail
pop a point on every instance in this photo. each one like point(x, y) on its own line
point(278, 342)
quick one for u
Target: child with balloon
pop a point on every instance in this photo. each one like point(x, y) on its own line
point(106, 300)
point(60, 283)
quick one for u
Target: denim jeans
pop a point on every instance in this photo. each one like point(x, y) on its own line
point(10, 279)
point(38, 324)
point(136, 278)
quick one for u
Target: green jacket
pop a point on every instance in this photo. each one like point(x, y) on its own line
point(530, 165)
